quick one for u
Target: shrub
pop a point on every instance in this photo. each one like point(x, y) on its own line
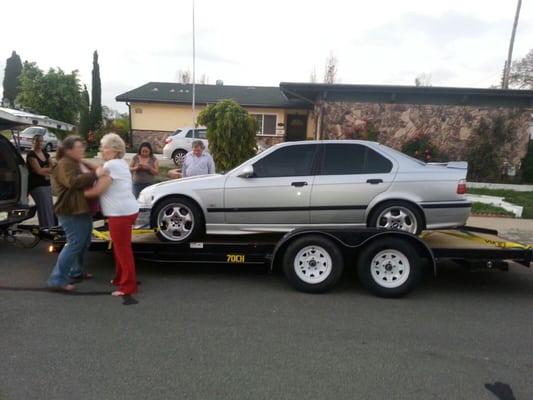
point(231, 133)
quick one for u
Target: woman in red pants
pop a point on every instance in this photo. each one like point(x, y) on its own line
point(114, 187)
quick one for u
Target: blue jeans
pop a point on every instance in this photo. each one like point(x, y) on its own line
point(70, 261)
point(138, 188)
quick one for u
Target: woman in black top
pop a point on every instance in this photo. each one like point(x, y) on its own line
point(40, 168)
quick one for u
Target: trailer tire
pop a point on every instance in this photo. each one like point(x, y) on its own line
point(313, 263)
point(389, 267)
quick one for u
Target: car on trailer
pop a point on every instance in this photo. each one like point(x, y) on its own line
point(334, 183)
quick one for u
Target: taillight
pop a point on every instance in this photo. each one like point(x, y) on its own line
point(168, 140)
point(461, 187)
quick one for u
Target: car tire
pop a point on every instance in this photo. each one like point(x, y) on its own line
point(48, 148)
point(399, 215)
point(313, 264)
point(178, 219)
point(389, 267)
point(178, 156)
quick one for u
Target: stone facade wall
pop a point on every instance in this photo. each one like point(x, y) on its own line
point(155, 138)
point(448, 127)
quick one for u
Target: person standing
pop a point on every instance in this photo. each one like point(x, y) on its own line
point(73, 212)
point(196, 162)
point(39, 168)
point(120, 207)
point(144, 167)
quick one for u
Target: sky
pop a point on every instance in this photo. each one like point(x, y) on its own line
point(248, 42)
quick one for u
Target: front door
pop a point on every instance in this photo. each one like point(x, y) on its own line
point(278, 193)
point(296, 127)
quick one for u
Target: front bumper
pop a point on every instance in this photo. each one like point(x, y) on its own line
point(143, 220)
point(16, 215)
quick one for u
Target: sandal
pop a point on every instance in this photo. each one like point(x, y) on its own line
point(63, 289)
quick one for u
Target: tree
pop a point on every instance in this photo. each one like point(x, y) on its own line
point(84, 113)
point(521, 75)
point(54, 94)
point(331, 69)
point(231, 133)
point(184, 76)
point(527, 164)
point(11, 78)
point(95, 116)
point(485, 157)
point(423, 80)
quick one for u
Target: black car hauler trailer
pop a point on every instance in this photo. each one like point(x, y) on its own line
point(389, 263)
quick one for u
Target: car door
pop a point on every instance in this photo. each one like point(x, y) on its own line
point(11, 184)
point(277, 193)
point(350, 176)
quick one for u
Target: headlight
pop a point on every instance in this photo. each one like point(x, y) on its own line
point(145, 197)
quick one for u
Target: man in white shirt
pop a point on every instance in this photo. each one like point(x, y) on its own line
point(196, 162)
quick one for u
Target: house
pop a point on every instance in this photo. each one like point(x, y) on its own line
point(453, 120)
point(448, 117)
point(157, 109)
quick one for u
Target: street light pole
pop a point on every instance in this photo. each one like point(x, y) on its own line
point(511, 45)
point(193, 70)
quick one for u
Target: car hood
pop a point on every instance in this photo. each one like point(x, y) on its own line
point(193, 181)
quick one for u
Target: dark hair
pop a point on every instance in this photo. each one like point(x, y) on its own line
point(148, 146)
point(35, 137)
point(67, 144)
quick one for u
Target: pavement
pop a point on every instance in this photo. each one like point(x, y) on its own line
point(237, 332)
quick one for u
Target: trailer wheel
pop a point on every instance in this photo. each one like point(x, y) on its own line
point(313, 264)
point(389, 267)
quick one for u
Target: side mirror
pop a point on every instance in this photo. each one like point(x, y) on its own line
point(247, 172)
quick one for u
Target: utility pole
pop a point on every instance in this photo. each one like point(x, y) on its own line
point(193, 71)
point(511, 44)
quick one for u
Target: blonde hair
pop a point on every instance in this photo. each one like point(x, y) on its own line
point(115, 143)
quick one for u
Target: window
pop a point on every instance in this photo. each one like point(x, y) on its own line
point(267, 123)
point(349, 159)
point(33, 131)
point(287, 161)
point(198, 134)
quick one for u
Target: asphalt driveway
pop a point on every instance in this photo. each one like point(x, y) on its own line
point(235, 332)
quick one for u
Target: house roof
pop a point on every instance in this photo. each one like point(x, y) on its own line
point(407, 94)
point(178, 93)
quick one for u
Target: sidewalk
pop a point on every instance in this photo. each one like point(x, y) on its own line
point(519, 230)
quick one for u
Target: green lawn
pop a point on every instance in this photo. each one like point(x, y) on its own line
point(7, 134)
point(481, 208)
point(524, 199)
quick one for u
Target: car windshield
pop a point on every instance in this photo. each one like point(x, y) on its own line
point(32, 131)
point(177, 131)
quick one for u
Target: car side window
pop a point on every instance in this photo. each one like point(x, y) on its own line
point(376, 163)
point(343, 159)
point(189, 134)
point(294, 160)
point(201, 133)
point(352, 159)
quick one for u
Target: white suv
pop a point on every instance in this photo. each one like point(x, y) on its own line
point(180, 143)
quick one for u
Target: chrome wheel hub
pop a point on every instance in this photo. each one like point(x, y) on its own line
point(397, 218)
point(175, 221)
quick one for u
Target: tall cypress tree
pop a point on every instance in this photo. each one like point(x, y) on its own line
point(84, 113)
point(11, 78)
point(95, 118)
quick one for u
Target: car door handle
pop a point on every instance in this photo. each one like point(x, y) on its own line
point(374, 181)
point(299, 184)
